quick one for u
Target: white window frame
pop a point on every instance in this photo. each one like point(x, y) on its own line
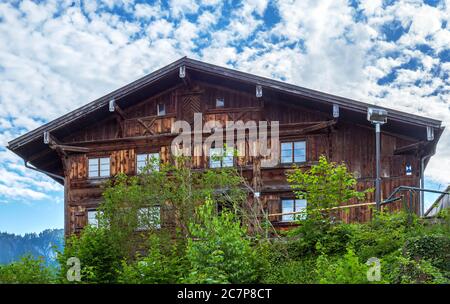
point(92, 217)
point(156, 212)
point(289, 149)
point(148, 158)
point(99, 167)
point(298, 205)
point(220, 102)
point(226, 157)
point(159, 111)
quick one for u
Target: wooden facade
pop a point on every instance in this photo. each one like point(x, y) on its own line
point(134, 127)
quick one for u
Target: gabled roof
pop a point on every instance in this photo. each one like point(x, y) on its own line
point(31, 143)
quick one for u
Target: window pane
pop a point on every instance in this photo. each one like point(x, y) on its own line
point(214, 157)
point(300, 205)
point(299, 156)
point(149, 218)
point(287, 206)
point(299, 151)
point(104, 161)
point(286, 156)
point(227, 161)
point(93, 167)
point(286, 146)
point(141, 157)
point(214, 163)
point(220, 103)
point(104, 173)
point(299, 145)
point(161, 109)
point(92, 218)
point(154, 159)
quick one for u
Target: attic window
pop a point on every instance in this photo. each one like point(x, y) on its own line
point(220, 102)
point(161, 109)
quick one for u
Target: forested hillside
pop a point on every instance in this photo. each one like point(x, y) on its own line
point(12, 246)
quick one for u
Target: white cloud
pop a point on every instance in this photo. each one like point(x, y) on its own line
point(55, 57)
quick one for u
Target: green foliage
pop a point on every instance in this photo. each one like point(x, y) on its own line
point(347, 269)
point(163, 264)
point(215, 247)
point(324, 186)
point(99, 254)
point(408, 271)
point(292, 272)
point(27, 271)
point(219, 251)
point(435, 248)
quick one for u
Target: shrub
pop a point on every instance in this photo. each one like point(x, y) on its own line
point(99, 254)
point(407, 271)
point(292, 272)
point(341, 270)
point(27, 271)
point(160, 266)
point(219, 251)
point(434, 248)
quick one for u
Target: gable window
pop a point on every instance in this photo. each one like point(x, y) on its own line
point(293, 152)
point(293, 205)
point(149, 217)
point(99, 167)
point(149, 158)
point(161, 109)
point(220, 102)
point(93, 217)
point(220, 158)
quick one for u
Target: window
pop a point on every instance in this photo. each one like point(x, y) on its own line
point(99, 167)
point(161, 109)
point(150, 158)
point(220, 102)
point(220, 157)
point(93, 217)
point(292, 205)
point(293, 152)
point(149, 217)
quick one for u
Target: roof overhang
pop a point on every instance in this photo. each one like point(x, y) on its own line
point(30, 145)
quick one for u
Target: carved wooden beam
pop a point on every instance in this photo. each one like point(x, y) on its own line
point(120, 112)
point(316, 127)
point(147, 127)
point(409, 148)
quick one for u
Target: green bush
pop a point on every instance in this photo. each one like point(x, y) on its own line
point(219, 251)
point(407, 271)
point(99, 255)
point(434, 248)
point(27, 271)
point(292, 272)
point(160, 266)
point(341, 270)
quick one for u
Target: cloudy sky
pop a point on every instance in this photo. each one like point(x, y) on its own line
point(58, 55)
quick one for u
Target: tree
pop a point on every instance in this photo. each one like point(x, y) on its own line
point(324, 186)
point(219, 250)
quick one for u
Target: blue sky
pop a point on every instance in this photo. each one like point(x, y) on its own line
point(58, 55)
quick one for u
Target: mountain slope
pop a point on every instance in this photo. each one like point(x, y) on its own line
point(12, 246)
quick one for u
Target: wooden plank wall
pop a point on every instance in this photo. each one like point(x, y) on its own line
point(355, 145)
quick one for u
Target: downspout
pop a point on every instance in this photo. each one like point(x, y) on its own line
point(45, 172)
point(422, 182)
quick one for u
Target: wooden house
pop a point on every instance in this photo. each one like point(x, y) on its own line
point(118, 131)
